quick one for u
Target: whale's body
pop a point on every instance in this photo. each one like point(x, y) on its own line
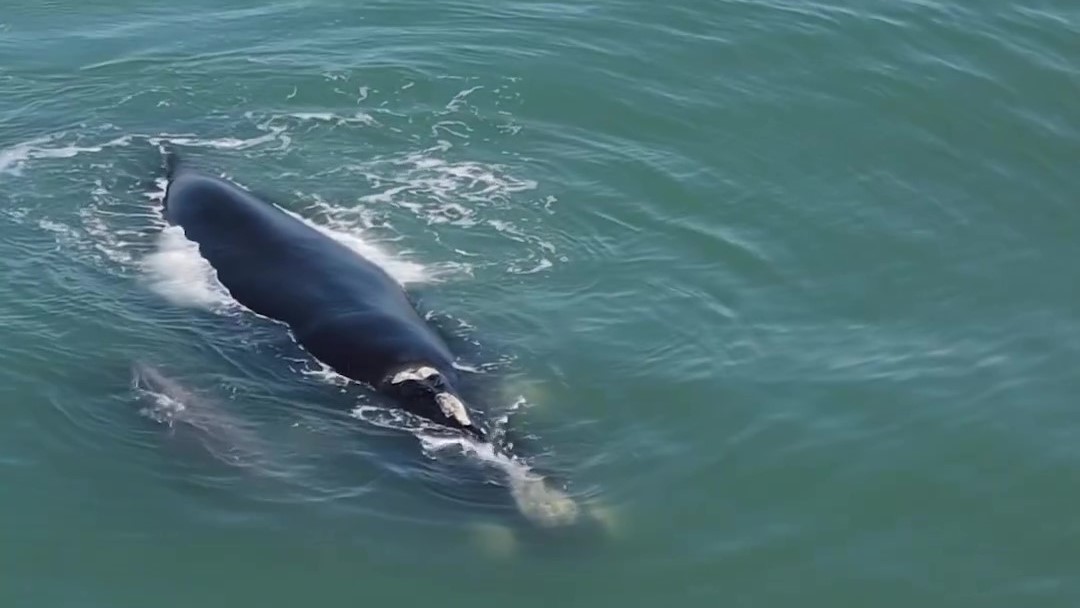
point(347, 312)
point(342, 308)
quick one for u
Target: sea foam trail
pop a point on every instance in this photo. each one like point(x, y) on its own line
point(403, 271)
point(536, 499)
point(534, 496)
point(12, 159)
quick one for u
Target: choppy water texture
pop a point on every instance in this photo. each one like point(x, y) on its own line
point(785, 290)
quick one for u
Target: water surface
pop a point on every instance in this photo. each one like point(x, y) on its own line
point(786, 288)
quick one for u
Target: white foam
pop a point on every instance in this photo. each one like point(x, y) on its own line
point(451, 127)
point(403, 271)
point(455, 193)
point(446, 185)
point(467, 368)
point(462, 193)
point(460, 98)
point(271, 134)
point(540, 266)
point(345, 219)
point(168, 395)
point(175, 269)
point(103, 241)
point(518, 403)
point(358, 118)
point(62, 230)
point(385, 196)
point(179, 273)
point(394, 419)
point(158, 196)
point(108, 241)
point(165, 409)
point(325, 373)
point(12, 159)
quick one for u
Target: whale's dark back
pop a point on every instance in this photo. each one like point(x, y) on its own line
point(345, 310)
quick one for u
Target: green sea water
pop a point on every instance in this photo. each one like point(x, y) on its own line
point(782, 293)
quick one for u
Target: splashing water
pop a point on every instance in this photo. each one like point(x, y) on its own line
point(404, 272)
point(180, 274)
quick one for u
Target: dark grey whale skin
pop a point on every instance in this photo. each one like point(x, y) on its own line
point(343, 309)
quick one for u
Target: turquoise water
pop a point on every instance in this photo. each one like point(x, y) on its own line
point(780, 292)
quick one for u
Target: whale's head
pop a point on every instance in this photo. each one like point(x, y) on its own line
point(427, 392)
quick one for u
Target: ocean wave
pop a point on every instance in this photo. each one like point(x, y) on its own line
point(12, 159)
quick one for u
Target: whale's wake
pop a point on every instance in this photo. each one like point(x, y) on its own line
point(534, 496)
point(537, 499)
point(176, 270)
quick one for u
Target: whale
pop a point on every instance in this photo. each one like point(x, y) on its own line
point(343, 309)
point(351, 315)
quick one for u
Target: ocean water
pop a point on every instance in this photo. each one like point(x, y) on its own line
point(782, 294)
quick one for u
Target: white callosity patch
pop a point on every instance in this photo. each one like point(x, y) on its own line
point(420, 373)
point(453, 408)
